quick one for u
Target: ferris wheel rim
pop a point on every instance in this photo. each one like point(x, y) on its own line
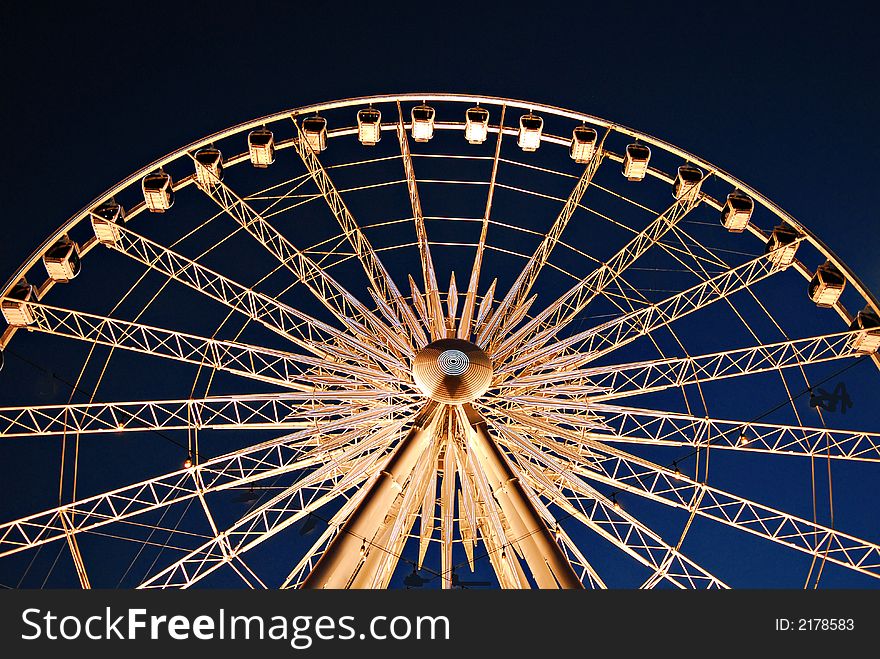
point(869, 297)
point(186, 151)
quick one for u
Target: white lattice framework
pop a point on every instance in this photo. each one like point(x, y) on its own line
point(314, 390)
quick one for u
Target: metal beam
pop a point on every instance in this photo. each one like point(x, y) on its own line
point(342, 560)
point(547, 562)
point(502, 319)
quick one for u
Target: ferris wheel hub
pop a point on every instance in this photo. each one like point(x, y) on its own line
point(452, 371)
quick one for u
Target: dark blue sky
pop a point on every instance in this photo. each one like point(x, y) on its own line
point(784, 100)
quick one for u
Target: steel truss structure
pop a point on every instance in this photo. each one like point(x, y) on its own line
point(627, 335)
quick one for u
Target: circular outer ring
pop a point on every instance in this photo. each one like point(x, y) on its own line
point(426, 97)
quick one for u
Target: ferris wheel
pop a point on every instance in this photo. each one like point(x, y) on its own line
point(391, 341)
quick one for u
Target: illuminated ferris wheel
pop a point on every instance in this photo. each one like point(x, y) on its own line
point(394, 340)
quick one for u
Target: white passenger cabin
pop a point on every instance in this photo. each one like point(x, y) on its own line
point(106, 220)
point(315, 131)
point(530, 128)
point(158, 191)
point(261, 147)
point(209, 167)
point(687, 182)
point(583, 144)
point(62, 260)
point(782, 246)
point(476, 125)
point(423, 123)
point(369, 126)
point(867, 339)
point(827, 285)
point(15, 310)
point(635, 161)
point(737, 212)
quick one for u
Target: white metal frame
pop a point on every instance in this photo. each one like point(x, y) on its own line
point(504, 473)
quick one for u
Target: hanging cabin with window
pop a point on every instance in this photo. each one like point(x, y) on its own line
point(314, 129)
point(158, 191)
point(62, 260)
point(687, 182)
point(826, 286)
point(106, 220)
point(866, 324)
point(261, 147)
point(423, 123)
point(635, 161)
point(530, 129)
point(209, 168)
point(782, 246)
point(737, 212)
point(583, 144)
point(369, 126)
point(15, 309)
point(476, 125)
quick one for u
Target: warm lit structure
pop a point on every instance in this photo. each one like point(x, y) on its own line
point(62, 260)
point(106, 220)
point(422, 123)
point(583, 144)
point(476, 126)
point(866, 326)
point(436, 355)
point(530, 128)
point(209, 167)
point(782, 246)
point(369, 126)
point(315, 131)
point(158, 191)
point(16, 308)
point(635, 161)
point(261, 147)
point(827, 285)
point(687, 182)
point(737, 212)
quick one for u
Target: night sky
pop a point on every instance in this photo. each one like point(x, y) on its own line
point(785, 101)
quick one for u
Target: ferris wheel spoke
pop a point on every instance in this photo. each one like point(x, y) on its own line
point(628, 425)
point(633, 474)
point(306, 496)
point(246, 412)
point(304, 330)
point(272, 366)
point(566, 308)
point(289, 453)
point(587, 574)
point(246, 573)
point(350, 311)
point(380, 279)
point(429, 275)
point(610, 336)
point(519, 292)
point(554, 478)
point(643, 426)
point(470, 300)
point(632, 379)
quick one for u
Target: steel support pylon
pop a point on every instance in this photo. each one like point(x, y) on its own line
point(345, 556)
point(549, 566)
